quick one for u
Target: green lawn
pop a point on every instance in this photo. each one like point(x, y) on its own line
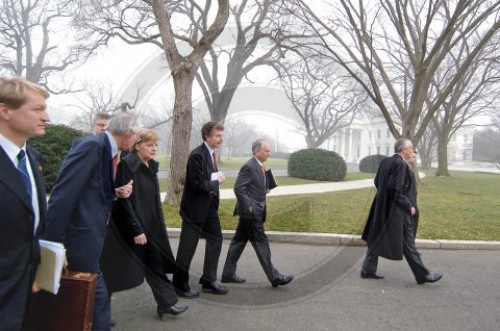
point(463, 207)
point(230, 163)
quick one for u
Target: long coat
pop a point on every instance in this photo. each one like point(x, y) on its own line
point(392, 204)
point(199, 190)
point(19, 248)
point(81, 201)
point(141, 213)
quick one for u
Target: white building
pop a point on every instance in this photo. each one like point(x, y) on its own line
point(372, 136)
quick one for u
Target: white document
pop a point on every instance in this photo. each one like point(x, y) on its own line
point(48, 274)
point(216, 175)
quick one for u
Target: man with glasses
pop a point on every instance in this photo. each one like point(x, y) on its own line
point(100, 123)
point(81, 199)
point(391, 226)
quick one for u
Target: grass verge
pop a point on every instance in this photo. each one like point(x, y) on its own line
point(462, 207)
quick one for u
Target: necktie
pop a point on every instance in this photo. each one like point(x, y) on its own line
point(215, 161)
point(21, 166)
point(263, 167)
point(115, 164)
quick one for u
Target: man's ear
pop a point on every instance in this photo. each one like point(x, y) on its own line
point(4, 112)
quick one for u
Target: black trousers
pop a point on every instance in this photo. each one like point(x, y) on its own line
point(250, 229)
point(191, 233)
point(162, 288)
point(409, 252)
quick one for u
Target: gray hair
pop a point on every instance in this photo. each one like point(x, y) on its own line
point(401, 143)
point(257, 145)
point(122, 123)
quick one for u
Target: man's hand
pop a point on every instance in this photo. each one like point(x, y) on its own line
point(221, 179)
point(140, 239)
point(413, 211)
point(124, 191)
point(35, 288)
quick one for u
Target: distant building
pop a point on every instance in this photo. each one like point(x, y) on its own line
point(372, 136)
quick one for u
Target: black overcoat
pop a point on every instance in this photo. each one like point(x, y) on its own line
point(392, 204)
point(141, 213)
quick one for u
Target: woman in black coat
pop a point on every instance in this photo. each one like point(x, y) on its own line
point(140, 220)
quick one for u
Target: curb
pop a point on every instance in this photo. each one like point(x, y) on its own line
point(309, 238)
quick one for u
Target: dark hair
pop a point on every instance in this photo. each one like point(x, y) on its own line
point(208, 129)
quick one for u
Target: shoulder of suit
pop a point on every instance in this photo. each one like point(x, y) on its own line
point(34, 152)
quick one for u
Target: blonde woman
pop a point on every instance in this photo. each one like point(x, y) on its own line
point(141, 223)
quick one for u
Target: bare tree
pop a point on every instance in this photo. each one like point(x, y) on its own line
point(261, 32)
point(31, 41)
point(473, 95)
point(163, 24)
point(427, 147)
point(324, 101)
point(238, 136)
point(96, 99)
point(486, 148)
point(393, 49)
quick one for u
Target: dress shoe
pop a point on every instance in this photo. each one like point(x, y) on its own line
point(190, 294)
point(215, 288)
point(430, 278)
point(233, 279)
point(371, 275)
point(174, 310)
point(281, 280)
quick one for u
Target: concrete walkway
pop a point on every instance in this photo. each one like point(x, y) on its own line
point(327, 292)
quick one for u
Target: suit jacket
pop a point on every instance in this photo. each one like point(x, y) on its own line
point(199, 191)
point(392, 204)
point(80, 202)
point(250, 189)
point(19, 248)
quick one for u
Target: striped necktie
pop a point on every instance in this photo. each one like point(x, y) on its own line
point(21, 167)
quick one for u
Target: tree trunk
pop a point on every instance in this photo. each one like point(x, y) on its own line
point(442, 169)
point(181, 131)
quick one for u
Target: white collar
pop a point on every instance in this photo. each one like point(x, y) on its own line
point(11, 149)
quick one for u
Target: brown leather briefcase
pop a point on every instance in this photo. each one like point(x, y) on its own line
point(71, 309)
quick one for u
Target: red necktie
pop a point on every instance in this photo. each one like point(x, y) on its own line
point(215, 161)
point(115, 164)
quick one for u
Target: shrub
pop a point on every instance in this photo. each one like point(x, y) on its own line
point(370, 163)
point(317, 164)
point(54, 146)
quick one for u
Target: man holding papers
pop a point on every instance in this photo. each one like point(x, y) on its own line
point(199, 207)
point(23, 115)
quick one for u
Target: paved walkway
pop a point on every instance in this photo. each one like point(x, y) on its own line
point(327, 292)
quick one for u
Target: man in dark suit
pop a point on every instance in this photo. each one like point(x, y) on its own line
point(81, 201)
point(23, 115)
point(199, 207)
point(250, 189)
point(391, 226)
